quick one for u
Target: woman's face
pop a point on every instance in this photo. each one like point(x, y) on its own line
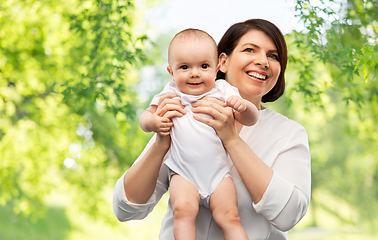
point(253, 66)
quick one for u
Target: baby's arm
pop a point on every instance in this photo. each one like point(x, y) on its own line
point(149, 121)
point(245, 112)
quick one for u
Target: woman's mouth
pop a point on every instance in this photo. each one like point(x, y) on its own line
point(257, 75)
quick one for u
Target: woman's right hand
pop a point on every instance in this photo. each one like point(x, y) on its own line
point(170, 107)
point(140, 180)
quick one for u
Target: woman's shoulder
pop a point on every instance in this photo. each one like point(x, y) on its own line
point(279, 128)
point(277, 121)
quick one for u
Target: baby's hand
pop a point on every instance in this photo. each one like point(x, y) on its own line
point(161, 125)
point(236, 103)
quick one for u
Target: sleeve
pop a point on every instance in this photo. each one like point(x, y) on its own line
point(287, 197)
point(227, 89)
point(125, 210)
point(167, 89)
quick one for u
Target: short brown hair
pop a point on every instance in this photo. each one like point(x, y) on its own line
point(232, 37)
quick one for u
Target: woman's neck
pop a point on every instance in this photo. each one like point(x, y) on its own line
point(256, 101)
point(258, 105)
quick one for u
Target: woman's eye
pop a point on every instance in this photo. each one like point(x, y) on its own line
point(273, 56)
point(248, 50)
point(204, 66)
point(184, 67)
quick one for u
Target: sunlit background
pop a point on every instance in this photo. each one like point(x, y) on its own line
point(75, 75)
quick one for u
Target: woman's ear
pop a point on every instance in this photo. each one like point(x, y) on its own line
point(222, 62)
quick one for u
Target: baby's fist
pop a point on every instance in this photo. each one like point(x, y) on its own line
point(236, 103)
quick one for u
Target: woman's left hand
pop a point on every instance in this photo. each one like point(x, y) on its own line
point(223, 120)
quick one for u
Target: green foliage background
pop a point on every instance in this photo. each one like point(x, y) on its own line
point(68, 129)
point(336, 64)
point(67, 69)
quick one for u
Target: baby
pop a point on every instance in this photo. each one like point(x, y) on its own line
point(197, 161)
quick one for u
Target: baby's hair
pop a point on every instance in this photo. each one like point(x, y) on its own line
point(191, 34)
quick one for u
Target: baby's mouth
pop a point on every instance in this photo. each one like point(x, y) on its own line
point(257, 75)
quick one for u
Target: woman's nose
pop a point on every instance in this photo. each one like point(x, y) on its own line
point(262, 60)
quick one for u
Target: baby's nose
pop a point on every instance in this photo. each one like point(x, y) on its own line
point(194, 73)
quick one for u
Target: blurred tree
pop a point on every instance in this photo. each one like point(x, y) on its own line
point(67, 73)
point(333, 64)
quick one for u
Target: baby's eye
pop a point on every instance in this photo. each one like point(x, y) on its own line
point(273, 56)
point(184, 67)
point(204, 66)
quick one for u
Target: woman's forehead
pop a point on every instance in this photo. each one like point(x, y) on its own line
point(257, 38)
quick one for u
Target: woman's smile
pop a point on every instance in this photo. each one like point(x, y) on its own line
point(259, 76)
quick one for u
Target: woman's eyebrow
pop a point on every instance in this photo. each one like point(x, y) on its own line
point(273, 51)
point(256, 46)
point(250, 44)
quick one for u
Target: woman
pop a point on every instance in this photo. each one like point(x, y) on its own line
point(271, 160)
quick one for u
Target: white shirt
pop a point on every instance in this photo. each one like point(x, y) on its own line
point(196, 153)
point(283, 145)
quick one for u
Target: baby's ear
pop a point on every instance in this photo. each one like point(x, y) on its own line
point(169, 69)
point(222, 62)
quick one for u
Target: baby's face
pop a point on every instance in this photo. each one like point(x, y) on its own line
point(193, 65)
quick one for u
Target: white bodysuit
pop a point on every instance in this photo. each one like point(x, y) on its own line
point(282, 145)
point(196, 152)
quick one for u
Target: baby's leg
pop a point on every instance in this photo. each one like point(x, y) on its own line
point(185, 203)
point(224, 206)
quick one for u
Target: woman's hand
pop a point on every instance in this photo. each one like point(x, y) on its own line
point(223, 120)
point(169, 107)
point(140, 180)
